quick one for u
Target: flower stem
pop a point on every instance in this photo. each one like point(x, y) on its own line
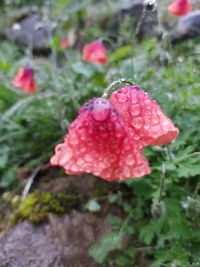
point(107, 92)
point(162, 182)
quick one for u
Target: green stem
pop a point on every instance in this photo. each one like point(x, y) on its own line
point(162, 182)
point(111, 87)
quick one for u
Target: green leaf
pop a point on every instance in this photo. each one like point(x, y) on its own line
point(188, 170)
point(8, 178)
point(108, 243)
point(87, 70)
point(147, 233)
point(121, 53)
point(4, 157)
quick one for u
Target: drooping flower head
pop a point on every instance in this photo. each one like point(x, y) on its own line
point(24, 80)
point(98, 142)
point(108, 136)
point(147, 123)
point(180, 7)
point(95, 53)
point(64, 43)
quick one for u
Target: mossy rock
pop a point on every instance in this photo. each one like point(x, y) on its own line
point(38, 204)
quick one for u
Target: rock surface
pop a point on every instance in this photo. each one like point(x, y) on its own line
point(60, 242)
point(30, 30)
point(147, 15)
point(187, 27)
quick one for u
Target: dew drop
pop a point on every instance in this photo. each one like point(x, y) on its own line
point(135, 110)
point(66, 156)
point(155, 118)
point(101, 110)
point(80, 161)
point(130, 160)
point(122, 98)
point(119, 134)
point(146, 126)
point(136, 137)
point(127, 145)
point(73, 139)
point(126, 172)
point(88, 158)
point(139, 171)
point(74, 168)
point(82, 149)
point(137, 122)
point(134, 99)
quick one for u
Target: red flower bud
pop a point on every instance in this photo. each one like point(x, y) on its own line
point(95, 53)
point(180, 7)
point(25, 81)
point(64, 43)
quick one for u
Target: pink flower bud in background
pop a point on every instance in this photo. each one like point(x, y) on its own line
point(64, 43)
point(24, 80)
point(180, 7)
point(95, 53)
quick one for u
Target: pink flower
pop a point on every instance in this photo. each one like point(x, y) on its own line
point(95, 53)
point(147, 123)
point(98, 142)
point(180, 7)
point(25, 81)
point(107, 137)
point(64, 43)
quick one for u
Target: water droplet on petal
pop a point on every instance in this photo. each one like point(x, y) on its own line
point(127, 145)
point(66, 156)
point(73, 139)
point(146, 126)
point(137, 122)
point(122, 98)
point(134, 99)
point(126, 172)
point(135, 110)
point(130, 160)
point(136, 137)
point(101, 110)
point(80, 161)
point(88, 158)
point(155, 118)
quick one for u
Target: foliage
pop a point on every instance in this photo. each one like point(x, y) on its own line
point(30, 126)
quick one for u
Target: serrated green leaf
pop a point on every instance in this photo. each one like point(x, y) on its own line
point(188, 170)
point(108, 243)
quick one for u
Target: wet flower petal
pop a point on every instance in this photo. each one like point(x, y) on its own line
point(98, 142)
point(147, 123)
